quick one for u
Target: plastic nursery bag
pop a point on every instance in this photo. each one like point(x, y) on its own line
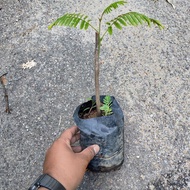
point(107, 132)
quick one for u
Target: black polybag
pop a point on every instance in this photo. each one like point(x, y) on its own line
point(107, 132)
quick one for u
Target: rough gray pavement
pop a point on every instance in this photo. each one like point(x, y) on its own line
point(146, 69)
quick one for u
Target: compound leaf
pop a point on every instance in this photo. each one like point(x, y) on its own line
point(132, 18)
point(112, 6)
point(72, 20)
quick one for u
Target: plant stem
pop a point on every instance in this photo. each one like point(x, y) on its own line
point(97, 71)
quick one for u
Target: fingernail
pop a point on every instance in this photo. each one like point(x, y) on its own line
point(96, 149)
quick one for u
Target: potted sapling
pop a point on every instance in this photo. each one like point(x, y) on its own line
point(101, 119)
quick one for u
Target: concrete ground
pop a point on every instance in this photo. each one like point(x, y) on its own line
point(146, 69)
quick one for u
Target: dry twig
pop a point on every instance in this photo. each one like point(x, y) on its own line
point(4, 83)
point(170, 2)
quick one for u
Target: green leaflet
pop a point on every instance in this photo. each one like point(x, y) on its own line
point(122, 21)
point(86, 25)
point(133, 19)
point(82, 24)
point(157, 22)
point(107, 100)
point(138, 18)
point(129, 20)
point(147, 20)
point(110, 30)
point(117, 25)
point(76, 21)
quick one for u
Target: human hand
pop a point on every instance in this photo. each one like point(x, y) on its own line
point(68, 164)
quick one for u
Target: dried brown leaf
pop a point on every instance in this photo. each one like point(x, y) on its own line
point(3, 80)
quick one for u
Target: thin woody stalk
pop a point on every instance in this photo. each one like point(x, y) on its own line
point(97, 71)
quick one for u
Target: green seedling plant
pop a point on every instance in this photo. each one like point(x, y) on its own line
point(92, 106)
point(83, 22)
point(106, 108)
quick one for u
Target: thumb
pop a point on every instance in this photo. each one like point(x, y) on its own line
point(89, 152)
